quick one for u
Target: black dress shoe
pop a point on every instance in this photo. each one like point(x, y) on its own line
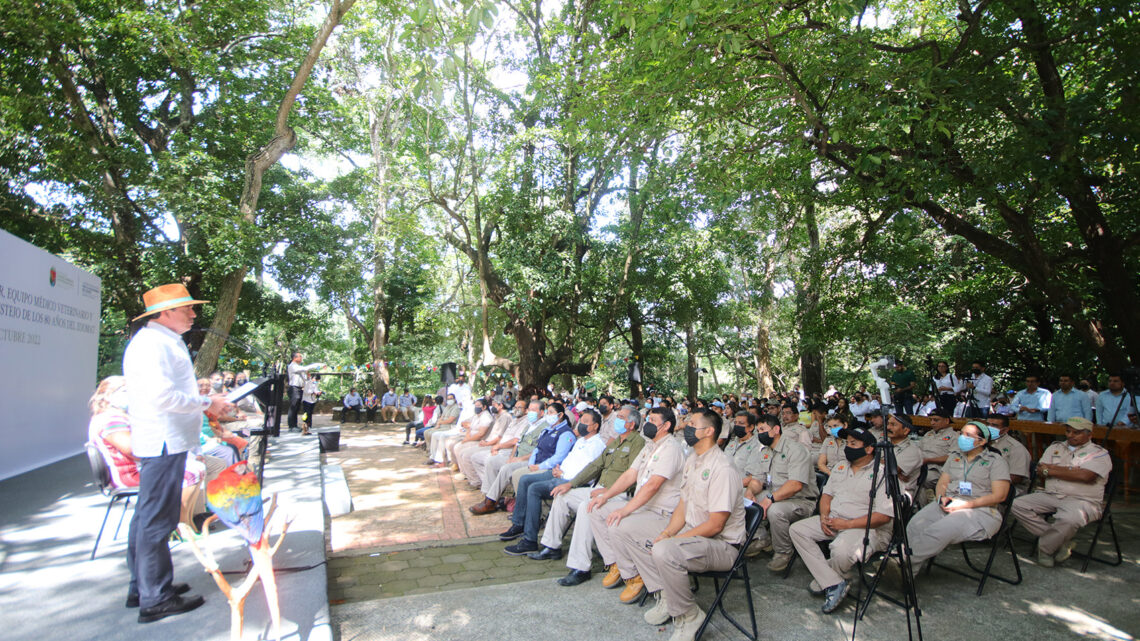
point(179, 588)
point(576, 577)
point(546, 554)
point(522, 547)
point(512, 533)
point(173, 605)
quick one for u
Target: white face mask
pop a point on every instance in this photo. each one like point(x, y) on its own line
point(451, 401)
point(119, 398)
point(1072, 448)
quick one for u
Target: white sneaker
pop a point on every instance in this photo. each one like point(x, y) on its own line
point(659, 613)
point(686, 625)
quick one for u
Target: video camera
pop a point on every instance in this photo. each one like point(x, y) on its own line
point(888, 362)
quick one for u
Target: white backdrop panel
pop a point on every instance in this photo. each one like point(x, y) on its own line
point(49, 343)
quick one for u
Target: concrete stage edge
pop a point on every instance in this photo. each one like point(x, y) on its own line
point(49, 588)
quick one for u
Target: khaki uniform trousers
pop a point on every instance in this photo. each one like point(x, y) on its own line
point(933, 530)
point(603, 536)
point(480, 461)
point(464, 456)
point(1069, 515)
point(494, 489)
point(846, 549)
point(406, 413)
point(781, 515)
point(629, 540)
point(574, 503)
point(669, 563)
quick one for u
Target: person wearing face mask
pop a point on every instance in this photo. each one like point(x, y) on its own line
point(656, 476)
point(440, 449)
point(511, 454)
point(428, 419)
point(217, 383)
point(573, 496)
point(466, 450)
point(352, 403)
point(701, 534)
point(1011, 449)
point(480, 428)
point(981, 388)
point(608, 409)
point(908, 456)
point(743, 443)
point(535, 488)
point(553, 446)
point(448, 421)
point(1075, 472)
point(842, 518)
point(831, 451)
point(498, 447)
point(782, 483)
point(974, 482)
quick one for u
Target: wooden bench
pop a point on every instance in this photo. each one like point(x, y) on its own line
point(1039, 435)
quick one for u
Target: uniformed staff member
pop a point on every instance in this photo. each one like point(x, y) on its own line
point(702, 535)
point(657, 472)
point(741, 447)
point(936, 445)
point(908, 456)
point(783, 485)
point(842, 519)
point(573, 496)
point(831, 451)
point(974, 481)
point(1075, 472)
point(1011, 450)
point(791, 426)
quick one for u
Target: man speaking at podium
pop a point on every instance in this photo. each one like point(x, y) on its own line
point(296, 372)
point(165, 410)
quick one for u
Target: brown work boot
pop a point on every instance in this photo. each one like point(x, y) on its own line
point(612, 578)
point(634, 588)
point(486, 507)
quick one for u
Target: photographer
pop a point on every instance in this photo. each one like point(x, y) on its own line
point(946, 386)
point(902, 386)
point(980, 387)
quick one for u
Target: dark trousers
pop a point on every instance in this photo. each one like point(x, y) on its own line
point(973, 411)
point(947, 402)
point(294, 405)
point(156, 515)
point(355, 414)
point(308, 410)
point(371, 413)
point(533, 489)
point(904, 402)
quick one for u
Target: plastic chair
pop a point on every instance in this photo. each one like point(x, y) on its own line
point(102, 477)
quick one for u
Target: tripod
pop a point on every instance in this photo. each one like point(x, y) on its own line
point(899, 546)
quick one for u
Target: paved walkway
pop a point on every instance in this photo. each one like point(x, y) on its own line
point(397, 499)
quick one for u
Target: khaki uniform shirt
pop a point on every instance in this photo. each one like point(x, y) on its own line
point(502, 422)
point(661, 458)
point(797, 432)
point(935, 444)
point(606, 431)
point(980, 473)
point(1015, 455)
point(909, 458)
point(849, 490)
point(515, 429)
point(1089, 456)
point(711, 484)
point(832, 450)
point(615, 460)
point(787, 460)
point(739, 452)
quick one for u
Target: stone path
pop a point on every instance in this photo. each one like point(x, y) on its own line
point(397, 499)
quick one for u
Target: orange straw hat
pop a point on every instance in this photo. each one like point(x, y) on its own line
point(166, 297)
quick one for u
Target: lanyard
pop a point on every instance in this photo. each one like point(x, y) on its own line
point(966, 474)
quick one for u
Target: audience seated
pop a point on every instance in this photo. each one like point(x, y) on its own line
point(1011, 449)
point(783, 484)
point(388, 406)
point(908, 456)
point(430, 415)
point(406, 405)
point(831, 451)
point(371, 404)
point(504, 417)
point(352, 403)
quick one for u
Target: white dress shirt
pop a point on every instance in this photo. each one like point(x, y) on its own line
point(164, 405)
point(585, 450)
point(297, 373)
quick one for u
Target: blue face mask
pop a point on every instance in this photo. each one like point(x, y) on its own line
point(619, 426)
point(995, 433)
point(834, 431)
point(532, 416)
point(965, 443)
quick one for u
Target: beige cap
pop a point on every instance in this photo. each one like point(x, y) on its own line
point(1080, 423)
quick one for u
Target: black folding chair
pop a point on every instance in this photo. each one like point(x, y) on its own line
point(1105, 517)
point(753, 515)
point(994, 543)
point(103, 481)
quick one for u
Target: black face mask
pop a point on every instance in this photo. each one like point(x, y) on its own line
point(739, 431)
point(605, 409)
point(765, 438)
point(854, 453)
point(691, 436)
point(582, 429)
point(649, 430)
point(976, 371)
point(1083, 387)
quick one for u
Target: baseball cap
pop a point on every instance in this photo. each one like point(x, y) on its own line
point(859, 433)
point(1080, 423)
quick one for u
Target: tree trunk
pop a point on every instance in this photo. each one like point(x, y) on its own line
point(763, 360)
point(807, 308)
point(691, 361)
point(255, 167)
point(637, 346)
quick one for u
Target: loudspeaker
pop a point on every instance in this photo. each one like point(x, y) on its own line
point(447, 373)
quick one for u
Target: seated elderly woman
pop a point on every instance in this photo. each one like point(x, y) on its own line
point(974, 482)
point(212, 439)
point(110, 432)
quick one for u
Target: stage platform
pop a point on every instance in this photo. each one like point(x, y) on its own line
point(49, 589)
